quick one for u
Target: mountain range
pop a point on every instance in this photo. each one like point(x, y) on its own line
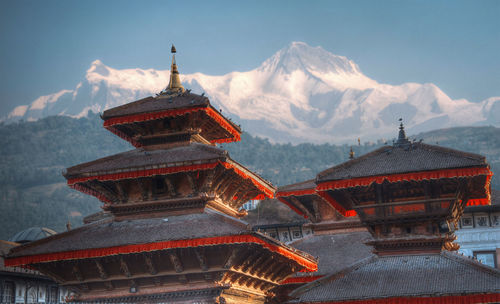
point(300, 94)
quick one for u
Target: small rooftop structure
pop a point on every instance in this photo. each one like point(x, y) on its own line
point(31, 234)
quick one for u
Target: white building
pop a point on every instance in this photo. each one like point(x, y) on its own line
point(479, 234)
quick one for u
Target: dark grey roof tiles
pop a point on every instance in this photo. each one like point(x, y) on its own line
point(31, 234)
point(141, 231)
point(335, 251)
point(155, 104)
point(404, 276)
point(140, 158)
point(393, 160)
point(308, 184)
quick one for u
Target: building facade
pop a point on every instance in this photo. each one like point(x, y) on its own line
point(26, 286)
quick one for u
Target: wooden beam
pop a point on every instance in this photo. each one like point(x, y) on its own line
point(102, 272)
point(262, 269)
point(254, 267)
point(208, 181)
point(279, 271)
point(167, 273)
point(109, 285)
point(157, 281)
point(183, 279)
point(124, 268)
point(104, 189)
point(249, 261)
point(192, 183)
point(224, 187)
point(148, 259)
point(170, 187)
point(176, 262)
point(121, 191)
point(200, 256)
point(233, 256)
point(143, 187)
point(78, 274)
point(299, 205)
point(47, 270)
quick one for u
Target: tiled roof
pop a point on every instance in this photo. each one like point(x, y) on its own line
point(31, 234)
point(140, 158)
point(5, 246)
point(308, 184)
point(109, 233)
point(335, 251)
point(404, 276)
point(158, 103)
point(402, 159)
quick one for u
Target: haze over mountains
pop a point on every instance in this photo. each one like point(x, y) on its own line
point(300, 94)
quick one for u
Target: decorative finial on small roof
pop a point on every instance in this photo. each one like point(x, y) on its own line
point(402, 139)
point(174, 85)
point(351, 154)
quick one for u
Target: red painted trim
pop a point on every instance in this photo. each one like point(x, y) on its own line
point(226, 125)
point(478, 202)
point(267, 192)
point(336, 205)
point(142, 173)
point(417, 176)
point(366, 181)
point(109, 123)
point(284, 201)
point(124, 136)
point(299, 280)
point(72, 182)
point(465, 299)
point(92, 192)
point(137, 248)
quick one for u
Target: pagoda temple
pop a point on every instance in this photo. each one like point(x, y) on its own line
point(173, 234)
point(403, 202)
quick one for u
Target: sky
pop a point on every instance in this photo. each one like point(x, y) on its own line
point(47, 46)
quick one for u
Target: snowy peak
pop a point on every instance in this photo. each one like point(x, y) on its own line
point(300, 56)
point(300, 94)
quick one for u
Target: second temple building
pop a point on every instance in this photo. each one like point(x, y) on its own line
point(383, 223)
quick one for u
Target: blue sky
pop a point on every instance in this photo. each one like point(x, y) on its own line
point(46, 46)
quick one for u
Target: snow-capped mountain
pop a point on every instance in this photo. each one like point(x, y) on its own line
point(300, 94)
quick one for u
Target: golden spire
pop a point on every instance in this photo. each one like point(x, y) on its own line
point(174, 85)
point(351, 154)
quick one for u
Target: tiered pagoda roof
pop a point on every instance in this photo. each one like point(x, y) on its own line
point(170, 231)
point(409, 196)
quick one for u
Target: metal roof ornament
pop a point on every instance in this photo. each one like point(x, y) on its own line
point(402, 139)
point(174, 85)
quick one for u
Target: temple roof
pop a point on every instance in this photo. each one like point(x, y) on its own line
point(305, 185)
point(413, 157)
point(335, 251)
point(31, 234)
point(403, 276)
point(158, 103)
point(110, 233)
point(140, 158)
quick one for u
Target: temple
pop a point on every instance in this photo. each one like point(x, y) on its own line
point(384, 227)
point(173, 232)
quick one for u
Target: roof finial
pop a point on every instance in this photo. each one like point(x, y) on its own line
point(402, 139)
point(174, 85)
point(351, 154)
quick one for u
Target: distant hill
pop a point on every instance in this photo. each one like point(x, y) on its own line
point(34, 193)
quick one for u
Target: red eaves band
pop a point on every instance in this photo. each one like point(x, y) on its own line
point(137, 248)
